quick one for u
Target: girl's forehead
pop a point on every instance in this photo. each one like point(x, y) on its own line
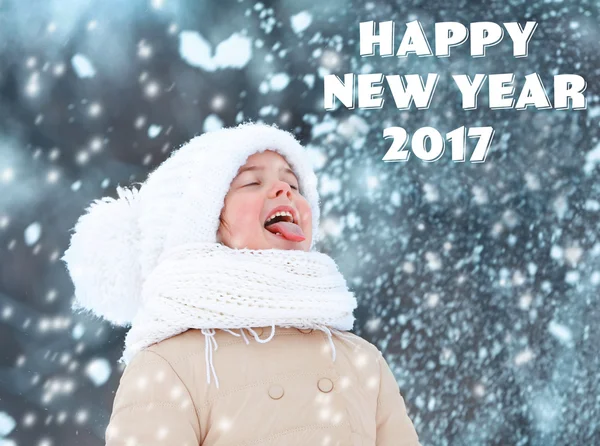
point(266, 155)
point(264, 159)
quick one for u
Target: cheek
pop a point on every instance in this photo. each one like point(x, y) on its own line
point(305, 213)
point(242, 211)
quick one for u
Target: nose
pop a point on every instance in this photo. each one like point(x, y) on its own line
point(281, 187)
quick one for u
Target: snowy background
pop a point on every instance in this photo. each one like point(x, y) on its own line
point(479, 282)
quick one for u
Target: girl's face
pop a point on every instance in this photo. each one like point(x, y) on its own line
point(261, 185)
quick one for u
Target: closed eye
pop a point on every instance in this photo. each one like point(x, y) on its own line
point(252, 184)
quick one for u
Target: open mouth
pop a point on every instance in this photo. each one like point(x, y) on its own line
point(284, 226)
point(279, 217)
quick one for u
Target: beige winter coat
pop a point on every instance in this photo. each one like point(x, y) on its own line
point(285, 392)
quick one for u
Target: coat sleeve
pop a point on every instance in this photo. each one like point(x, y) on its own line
point(152, 406)
point(394, 427)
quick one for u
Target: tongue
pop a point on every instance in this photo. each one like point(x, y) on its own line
point(290, 231)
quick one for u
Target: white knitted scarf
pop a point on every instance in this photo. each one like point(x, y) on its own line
point(209, 285)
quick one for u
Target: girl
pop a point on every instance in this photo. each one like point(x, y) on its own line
point(216, 251)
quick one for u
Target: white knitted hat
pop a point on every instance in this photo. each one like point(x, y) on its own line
point(118, 242)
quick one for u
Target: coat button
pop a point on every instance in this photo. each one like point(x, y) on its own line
point(275, 391)
point(305, 330)
point(325, 385)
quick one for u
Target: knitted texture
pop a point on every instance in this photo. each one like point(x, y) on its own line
point(208, 285)
point(151, 258)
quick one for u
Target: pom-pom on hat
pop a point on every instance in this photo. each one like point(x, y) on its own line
point(103, 258)
point(117, 243)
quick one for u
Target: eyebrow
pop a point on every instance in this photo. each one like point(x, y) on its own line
point(261, 168)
